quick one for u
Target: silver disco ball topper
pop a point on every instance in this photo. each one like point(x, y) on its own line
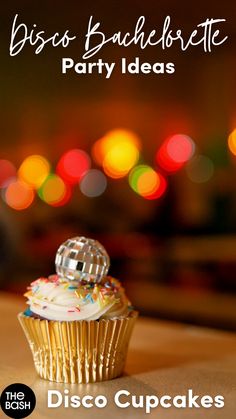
point(82, 259)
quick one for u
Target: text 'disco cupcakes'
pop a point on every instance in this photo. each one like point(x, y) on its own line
point(79, 321)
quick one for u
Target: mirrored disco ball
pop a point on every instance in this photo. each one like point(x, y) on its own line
point(82, 258)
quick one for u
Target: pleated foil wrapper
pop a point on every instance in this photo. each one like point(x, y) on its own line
point(79, 351)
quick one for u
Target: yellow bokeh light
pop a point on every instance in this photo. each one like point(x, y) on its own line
point(120, 159)
point(148, 182)
point(232, 142)
point(53, 190)
point(117, 152)
point(34, 170)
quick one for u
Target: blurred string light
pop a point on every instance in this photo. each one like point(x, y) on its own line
point(73, 165)
point(117, 152)
point(232, 142)
point(175, 152)
point(34, 170)
point(93, 183)
point(147, 182)
point(54, 191)
point(7, 172)
point(200, 169)
point(18, 195)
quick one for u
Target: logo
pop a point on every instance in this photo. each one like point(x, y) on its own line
point(18, 401)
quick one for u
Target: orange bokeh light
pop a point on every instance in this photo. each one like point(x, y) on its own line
point(55, 191)
point(147, 182)
point(159, 190)
point(19, 195)
point(232, 142)
point(34, 170)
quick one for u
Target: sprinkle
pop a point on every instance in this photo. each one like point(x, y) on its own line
point(101, 295)
point(41, 279)
point(77, 308)
point(70, 311)
point(95, 292)
point(44, 307)
point(35, 288)
point(72, 287)
point(88, 297)
point(53, 278)
point(106, 294)
point(100, 303)
point(34, 282)
point(80, 294)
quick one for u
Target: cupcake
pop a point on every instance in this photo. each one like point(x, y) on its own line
point(79, 321)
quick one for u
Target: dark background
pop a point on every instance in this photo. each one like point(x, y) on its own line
point(176, 255)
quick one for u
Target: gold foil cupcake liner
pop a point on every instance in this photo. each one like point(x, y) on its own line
point(78, 351)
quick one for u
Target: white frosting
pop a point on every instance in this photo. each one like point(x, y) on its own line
point(56, 299)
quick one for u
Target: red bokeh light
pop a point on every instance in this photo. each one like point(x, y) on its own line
point(175, 152)
point(7, 171)
point(165, 161)
point(65, 199)
point(160, 190)
point(73, 165)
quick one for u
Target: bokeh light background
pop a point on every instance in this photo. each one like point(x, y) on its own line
point(144, 163)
